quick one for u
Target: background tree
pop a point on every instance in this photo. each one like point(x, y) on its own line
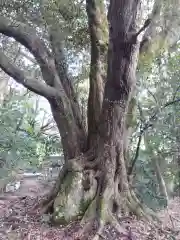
point(157, 130)
point(24, 141)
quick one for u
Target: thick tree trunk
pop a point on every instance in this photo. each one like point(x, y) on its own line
point(95, 184)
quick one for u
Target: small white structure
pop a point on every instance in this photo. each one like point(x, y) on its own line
point(47, 173)
point(29, 174)
point(13, 186)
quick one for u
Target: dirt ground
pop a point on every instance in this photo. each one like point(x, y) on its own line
point(18, 221)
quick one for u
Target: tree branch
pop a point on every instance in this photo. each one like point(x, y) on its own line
point(98, 26)
point(153, 95)
point(72, 133)
point(36, 86)
point(151, 30)
point(62, 69)
point(146, 25)
point(169, 23)
point(28, 38)
point(60, 61)
point(171, 102)
point(131, 168)
point(177, 90)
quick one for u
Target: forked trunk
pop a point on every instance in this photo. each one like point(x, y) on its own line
point(95, 184)
point(122, 63)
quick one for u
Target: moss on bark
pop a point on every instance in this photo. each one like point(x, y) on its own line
point(72, 200)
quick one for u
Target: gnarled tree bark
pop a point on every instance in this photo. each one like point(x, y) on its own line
point(98, 29)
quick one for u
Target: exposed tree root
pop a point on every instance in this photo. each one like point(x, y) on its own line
point(90, 213)
point(106, 218)
point(87, 228)
point(100, 209)
point(114, 222)
point(54, 191)
point(84, 161)
point(90, 218)
point(102, 218)
point(140, 209)
point(46, 207)
point(99, 234)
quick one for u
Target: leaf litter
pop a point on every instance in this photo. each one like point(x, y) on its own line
point(19, 221)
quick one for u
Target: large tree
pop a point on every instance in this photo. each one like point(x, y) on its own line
point(93, 183)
